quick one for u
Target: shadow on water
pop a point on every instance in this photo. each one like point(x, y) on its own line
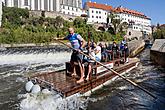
point(121, 95)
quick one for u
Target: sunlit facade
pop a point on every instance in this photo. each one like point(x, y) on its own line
point(70, 7)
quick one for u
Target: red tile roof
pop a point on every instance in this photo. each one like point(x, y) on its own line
point(118, 9)
point(99, 6)
point(132, 12)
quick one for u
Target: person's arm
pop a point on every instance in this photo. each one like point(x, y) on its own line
point(63, 38)
point(83, 43)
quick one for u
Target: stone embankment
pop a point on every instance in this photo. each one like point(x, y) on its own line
point(135, 47)
point(157, 52)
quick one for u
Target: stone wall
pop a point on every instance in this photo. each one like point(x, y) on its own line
point(52, 15)
point(157, 52)
point(133, 34)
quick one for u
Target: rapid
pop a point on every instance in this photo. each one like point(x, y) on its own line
point(16, 64)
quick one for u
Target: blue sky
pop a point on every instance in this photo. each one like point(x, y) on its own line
point(155, 9)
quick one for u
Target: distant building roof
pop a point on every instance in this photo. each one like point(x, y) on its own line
point(128, 11)
point(119, 9)
point(162, 26)
point(99, 6)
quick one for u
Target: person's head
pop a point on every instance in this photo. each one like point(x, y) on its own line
point(114, 43)
point(100, 44)
point(125, 46)
point(125, 38)
point(71, 30)
point(94, 45)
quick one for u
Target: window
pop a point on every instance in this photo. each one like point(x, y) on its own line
point(15, 3)
point(46, 5)
point(92, 11)
point(26, 2)
point(105, 13)
point(96, 11)
point(54, 5)
point(99, 12)
point(36, 4)
point(92, 16)
point(100, 17)
point(96, 16)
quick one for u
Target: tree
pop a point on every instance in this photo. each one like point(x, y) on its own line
point(117, 24)
point(59, 21)
point(14, 15)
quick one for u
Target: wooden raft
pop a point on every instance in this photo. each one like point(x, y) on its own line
point(67, 85)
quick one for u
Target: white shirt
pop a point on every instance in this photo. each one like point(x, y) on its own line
point(98, 50)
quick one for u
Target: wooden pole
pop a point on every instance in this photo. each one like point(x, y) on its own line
point(128, 80)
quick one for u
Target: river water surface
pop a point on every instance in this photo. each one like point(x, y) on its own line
point(15, 64)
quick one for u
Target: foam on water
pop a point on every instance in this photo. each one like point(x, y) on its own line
point(46, 58)
point(52, 102)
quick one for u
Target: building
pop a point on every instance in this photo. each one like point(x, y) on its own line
point(70, 7)
point(97, 13)
point(139, 24)
point(137, 21)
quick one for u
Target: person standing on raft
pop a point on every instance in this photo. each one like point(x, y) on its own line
point(78, 43)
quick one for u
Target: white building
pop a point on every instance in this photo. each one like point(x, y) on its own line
point(70, 7)
point(97, 13)
point(137, 21)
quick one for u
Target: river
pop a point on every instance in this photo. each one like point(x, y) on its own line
point(15, 64)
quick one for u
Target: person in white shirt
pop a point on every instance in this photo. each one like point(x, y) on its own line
point(97, 52)
point(96, 55)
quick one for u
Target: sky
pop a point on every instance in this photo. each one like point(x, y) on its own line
point(155, 9)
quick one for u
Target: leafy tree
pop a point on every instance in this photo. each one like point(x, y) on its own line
point(14, 16)
point(117, 24)
point(59, 21)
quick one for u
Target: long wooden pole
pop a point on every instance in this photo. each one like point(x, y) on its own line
point(131, 82)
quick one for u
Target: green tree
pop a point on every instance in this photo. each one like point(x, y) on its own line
point(117, 24)
point(14, 16)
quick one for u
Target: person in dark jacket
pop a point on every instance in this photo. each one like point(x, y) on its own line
point(115, 49)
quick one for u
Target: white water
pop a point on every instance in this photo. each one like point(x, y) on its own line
point(41, 58)
point(52, 102)
point(40, 101)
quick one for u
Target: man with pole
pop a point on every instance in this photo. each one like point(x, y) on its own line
point(77, 43)
point(128, 80)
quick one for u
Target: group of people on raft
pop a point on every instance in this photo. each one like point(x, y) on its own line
point(98, 52)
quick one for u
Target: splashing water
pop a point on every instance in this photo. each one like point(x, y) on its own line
point(52, 102)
